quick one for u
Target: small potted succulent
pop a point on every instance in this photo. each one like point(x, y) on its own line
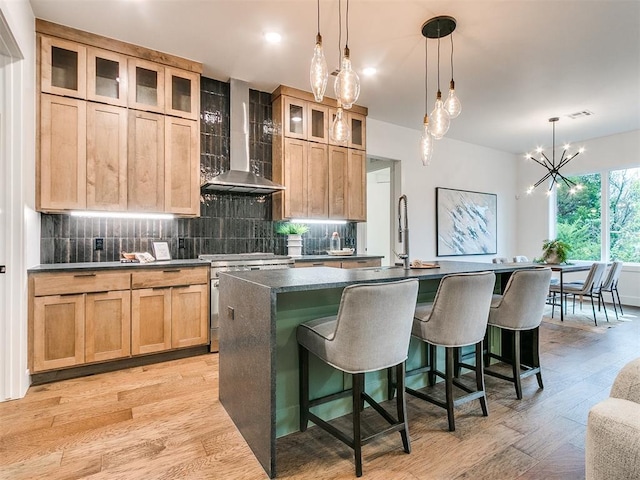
point(294, 232)
point(555, 251)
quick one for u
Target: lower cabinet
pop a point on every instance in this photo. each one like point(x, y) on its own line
point(97, 316)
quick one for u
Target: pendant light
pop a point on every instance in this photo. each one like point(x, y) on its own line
point(426, 141)
point(439, 27)
point(347, 83)
point(452, 103)
point(339, 131)
point(319, 73)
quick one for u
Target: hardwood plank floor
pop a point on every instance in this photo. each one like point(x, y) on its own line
point(164, 421)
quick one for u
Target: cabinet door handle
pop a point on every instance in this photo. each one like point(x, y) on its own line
point(85, 275)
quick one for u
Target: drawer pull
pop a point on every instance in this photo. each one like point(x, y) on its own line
point(85, 275)
point(175, 270)
point(318, 264)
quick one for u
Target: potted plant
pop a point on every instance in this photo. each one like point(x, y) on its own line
point(294, 232)
point(555, 251)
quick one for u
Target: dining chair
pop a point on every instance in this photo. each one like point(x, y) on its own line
point(519, 308)
point(457, 317)
point(499, 260)
point(520, 258)
point(589, 288)
point(371, 332)
point(610, 285)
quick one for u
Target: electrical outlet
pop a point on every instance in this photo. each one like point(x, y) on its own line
point(180, 242)
point(99, 244)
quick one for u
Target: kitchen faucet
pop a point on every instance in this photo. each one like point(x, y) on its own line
point(403, 232)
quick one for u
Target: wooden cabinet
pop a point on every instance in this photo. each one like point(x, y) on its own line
point(181, 166)
point(357, 185)
point(106, 77)
point(145, 177)
point(340, 263)
point(103, 111)
point(170, 309)
point(315, 171)
point(182, 93)
point(62, 174)
point(63, 67)
point(78, 318)
point(106, 176)
point(107, 326)
point(58, 332)
point(74, 320)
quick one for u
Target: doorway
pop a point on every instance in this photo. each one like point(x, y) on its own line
point(383, 188)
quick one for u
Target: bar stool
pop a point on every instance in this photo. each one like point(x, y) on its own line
point(456, 318)
point(370, 332)
point(520, 308)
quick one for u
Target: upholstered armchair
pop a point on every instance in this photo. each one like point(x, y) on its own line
point(613, 430)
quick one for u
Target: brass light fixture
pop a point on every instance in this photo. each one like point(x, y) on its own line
point(553, 168)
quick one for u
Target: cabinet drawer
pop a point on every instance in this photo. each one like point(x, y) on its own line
point(79, 282)
point(361, 263)
point(170, 277)
point(321, 263)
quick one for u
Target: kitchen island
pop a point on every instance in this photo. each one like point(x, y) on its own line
point(259, 313)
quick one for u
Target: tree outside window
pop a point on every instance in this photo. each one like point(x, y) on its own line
point(579, 216)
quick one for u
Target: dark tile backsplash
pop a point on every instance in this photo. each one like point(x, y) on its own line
point(228, 223)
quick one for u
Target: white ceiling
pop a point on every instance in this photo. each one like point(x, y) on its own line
point(517, 62)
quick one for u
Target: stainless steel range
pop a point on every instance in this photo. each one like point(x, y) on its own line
point(237, 263)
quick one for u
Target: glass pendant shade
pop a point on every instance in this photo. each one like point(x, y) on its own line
point(439, 119)
point(347, 84)
point(319, 73)
point(452, 103)
point(339, 131)
point(426, 143)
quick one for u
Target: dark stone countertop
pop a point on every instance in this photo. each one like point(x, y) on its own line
point(69, 267)
point(305, 279)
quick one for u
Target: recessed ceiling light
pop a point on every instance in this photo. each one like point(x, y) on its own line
point(369, 71)
point(272, 37)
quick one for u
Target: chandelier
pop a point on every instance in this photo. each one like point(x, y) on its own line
point(553, 168)
point(436, 125)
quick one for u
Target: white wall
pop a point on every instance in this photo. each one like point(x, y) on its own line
point(456, 165)
point(378, 213)
point(600, 155)
point(23, 247)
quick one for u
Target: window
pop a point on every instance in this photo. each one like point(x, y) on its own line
point(581, 222)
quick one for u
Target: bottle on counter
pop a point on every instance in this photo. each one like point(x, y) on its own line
point(335, 242)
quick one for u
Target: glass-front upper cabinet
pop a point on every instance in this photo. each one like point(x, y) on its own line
point(318, 123)
point(106, 77)
point(358, 138)
point(182, 93)
point(295, 118)
point(63, 67)
point(146, 85)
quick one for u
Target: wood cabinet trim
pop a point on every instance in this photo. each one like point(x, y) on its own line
point(68, 33)
point(308, 96)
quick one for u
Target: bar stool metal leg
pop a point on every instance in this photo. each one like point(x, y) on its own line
point(449, 351)
point(358, 383)
point(480, 379)
point(303, 373)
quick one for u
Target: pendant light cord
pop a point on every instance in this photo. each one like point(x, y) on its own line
point(339, 35)
point(318, 17)
point(438, 56)
point(426, 78)
point(346, 43)
point(451, 35)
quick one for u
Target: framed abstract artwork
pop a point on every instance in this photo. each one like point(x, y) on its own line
point(466, 222)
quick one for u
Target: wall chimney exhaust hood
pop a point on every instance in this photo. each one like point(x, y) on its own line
point(238, 179)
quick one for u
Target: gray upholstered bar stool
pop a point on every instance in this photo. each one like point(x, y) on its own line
point(371, 332)
point(520, 308)
point(456, 318)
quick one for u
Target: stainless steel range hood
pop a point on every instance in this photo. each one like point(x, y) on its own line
point(239, 179)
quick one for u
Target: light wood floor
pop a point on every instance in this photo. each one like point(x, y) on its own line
point(164, 421)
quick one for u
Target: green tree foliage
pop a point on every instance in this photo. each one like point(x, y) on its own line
point(579, 220)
